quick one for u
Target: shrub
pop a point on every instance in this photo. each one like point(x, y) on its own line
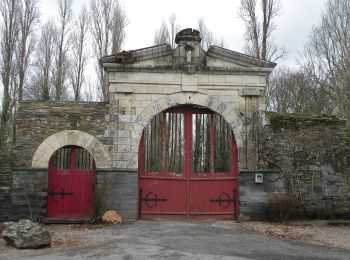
point(282, 207)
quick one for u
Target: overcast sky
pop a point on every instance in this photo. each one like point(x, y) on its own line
point(220, 16)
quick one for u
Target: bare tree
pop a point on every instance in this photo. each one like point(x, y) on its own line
point(79, 52)
point(89, 93)
point(28, 21)
point(161, 35)
point(9, 10)
point(326, 56)
point(107, 26)
point(62, 47)
point(293, 91)
point(208, 37)
point(166, 33)
point(174, 28)
point(118, 28)
point(258, 36)
point(40, 85)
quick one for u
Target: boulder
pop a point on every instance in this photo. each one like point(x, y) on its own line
point(111, 217)
point(26, 234)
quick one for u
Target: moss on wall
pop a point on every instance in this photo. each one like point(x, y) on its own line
point(279, 120)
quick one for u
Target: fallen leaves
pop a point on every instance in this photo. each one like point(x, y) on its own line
point(317, 232)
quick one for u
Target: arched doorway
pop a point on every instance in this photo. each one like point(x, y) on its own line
point(188, 166)
point(71, 184)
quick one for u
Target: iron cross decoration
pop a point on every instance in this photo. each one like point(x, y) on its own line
point(53, 193)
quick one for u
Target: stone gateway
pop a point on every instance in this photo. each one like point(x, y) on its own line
point(184, 135)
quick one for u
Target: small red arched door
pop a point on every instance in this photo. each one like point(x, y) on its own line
point(71, 184)
point(188, 166)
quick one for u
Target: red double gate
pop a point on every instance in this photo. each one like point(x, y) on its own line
point(188, 167)
point(71, 184)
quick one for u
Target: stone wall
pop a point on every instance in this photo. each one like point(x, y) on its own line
point(118, 190)
point(313, 155)
point(37, 120)
point(253, 196)
point(5, 184)
point(115, 189)
point(29, 193)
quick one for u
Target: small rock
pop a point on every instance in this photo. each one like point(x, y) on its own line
point(111, 217)
point(26, 234)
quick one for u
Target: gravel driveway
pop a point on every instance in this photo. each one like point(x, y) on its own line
point(183, 240)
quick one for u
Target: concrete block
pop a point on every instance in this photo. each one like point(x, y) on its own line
point(157, 77)
point(203, 78)
point(154, 89)
point(124, 88)
point(124, 103)
point(143, 97)
point(250, 92)
point(251, 79)
point(174, 78)
point(217, 79)
point(262, 80)
point(189, 82)
point(234, 79)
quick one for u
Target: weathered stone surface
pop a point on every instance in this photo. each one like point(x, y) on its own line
point(26, 234)
point(37, 120)
point(5, 184)
point(111, 217)
point(313, 154)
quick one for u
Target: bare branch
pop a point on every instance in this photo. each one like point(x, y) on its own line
point(107, 26)
point(40, 84)
point(28, 22)
point(208, 37)
point(62, 46)
point(258, 35)
point(161, 35)
point(80, 53)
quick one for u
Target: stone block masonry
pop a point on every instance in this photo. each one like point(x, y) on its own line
point(313, 153)
point(29, 193)
point(37, 120)
point(253, 196)
point(5, 184)
point(117, 189)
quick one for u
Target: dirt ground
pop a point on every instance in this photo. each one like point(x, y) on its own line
point(315, 232)
point(62, 236)
point(335, 234)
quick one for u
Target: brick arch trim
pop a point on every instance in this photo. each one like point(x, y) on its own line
point(71, 137)
point(226, 110)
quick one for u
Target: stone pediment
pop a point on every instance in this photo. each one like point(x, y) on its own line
point(188, 55)
point(217, 56)
point(148, 55)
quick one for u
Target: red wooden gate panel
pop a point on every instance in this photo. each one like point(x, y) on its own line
point(188, 167)
point(71, 184)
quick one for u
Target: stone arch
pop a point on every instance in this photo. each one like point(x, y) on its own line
point(226, 110)
point(71, 137)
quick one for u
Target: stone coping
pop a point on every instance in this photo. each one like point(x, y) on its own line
point(97, 170)
point(170, 68)
point(61, 101)
point(135, 170)
point(258, 171)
